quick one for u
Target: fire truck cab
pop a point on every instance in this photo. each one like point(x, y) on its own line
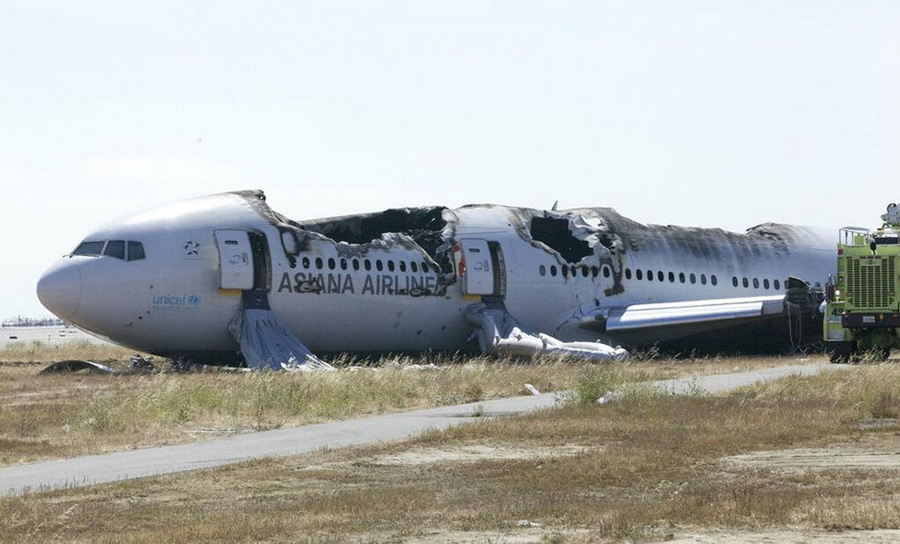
point(862, 312)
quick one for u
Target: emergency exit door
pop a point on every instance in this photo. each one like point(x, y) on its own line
point(482, 268)
point(235, 259)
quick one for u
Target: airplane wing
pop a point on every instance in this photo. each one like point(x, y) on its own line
point(648, 324)
point(668, 314)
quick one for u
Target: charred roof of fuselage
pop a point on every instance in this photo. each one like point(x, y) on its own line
point(421, 227)
point(696, 241)
point(424, 225)
point(557, 230)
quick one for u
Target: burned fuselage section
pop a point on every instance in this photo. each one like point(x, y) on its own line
point(423, 227)
point(581, 236)
point(400, 252)
point(407, 275)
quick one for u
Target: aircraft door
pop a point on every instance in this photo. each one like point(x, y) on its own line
point(481, 267)
point(235, 259)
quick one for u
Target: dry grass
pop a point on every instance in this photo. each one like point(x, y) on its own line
point(53, 416)
point(39, 352)
point(645, 467)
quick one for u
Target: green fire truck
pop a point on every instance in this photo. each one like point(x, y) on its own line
point(862, 312)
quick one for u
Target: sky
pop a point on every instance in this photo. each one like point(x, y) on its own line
point(714, 114)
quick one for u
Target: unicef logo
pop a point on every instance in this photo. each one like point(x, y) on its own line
point(174, 302)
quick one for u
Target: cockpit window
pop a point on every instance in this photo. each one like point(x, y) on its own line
point(89, 248)
point(135, 251)
point(115, 248)
point(119, 249)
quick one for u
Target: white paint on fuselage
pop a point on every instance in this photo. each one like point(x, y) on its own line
point(365, 310)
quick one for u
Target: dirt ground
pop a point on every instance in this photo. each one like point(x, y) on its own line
point(802, 459)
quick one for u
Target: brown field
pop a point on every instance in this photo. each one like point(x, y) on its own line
point(800, 459)
point(53, 416)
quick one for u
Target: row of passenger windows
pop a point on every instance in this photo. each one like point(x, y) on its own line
point(120, 249)
point(566, 271)
point(658, 275)
point(681, 277)
point(367, 264)
point(746, 282)
point(563, 271)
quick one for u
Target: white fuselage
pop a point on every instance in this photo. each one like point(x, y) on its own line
point(392, 294)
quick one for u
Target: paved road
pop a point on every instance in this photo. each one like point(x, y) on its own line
point(95, 469)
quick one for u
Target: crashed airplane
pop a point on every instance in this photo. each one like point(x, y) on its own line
point(225, 277)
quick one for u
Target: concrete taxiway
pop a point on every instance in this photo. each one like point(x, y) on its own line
point(95, 469)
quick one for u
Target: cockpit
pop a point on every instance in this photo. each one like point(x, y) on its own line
point(127, 250)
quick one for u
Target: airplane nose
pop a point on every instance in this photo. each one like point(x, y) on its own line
point(59, 289)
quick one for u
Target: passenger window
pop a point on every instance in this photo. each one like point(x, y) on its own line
point(378, 265)
point(755, 283)
point(553, 270)
point(89, 248)
point(640, 275)
point(136, 251)
point(402, 266)
point(390, 266)
point(584, 271)
point(414, 267)
point(681, 277)
point(565, 271)
point(425, 268)
point(355, 264)
point(367, 264)
point(702, 279)
point(661, 276)
point(115, 248)
point(319, 263)
point(777, 285)
point(343, 264)
point(627, 273)
point(746, 283)
point(595, 272)
point(693, 278)
point(330, 263)
point(649, 275)
point(543, 270)
point(766, 283)
point(671, 277)
point(714, 280)
point(606, 272)
point(734, 281)
point(305, 262)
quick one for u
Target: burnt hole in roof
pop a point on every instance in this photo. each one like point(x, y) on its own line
point(424, 225)
point(556, 235)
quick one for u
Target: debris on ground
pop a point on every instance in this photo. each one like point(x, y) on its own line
point(498, 333)
point(78, 366)
point(139, 364)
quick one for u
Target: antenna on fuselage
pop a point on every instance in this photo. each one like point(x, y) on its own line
point(555, 204)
